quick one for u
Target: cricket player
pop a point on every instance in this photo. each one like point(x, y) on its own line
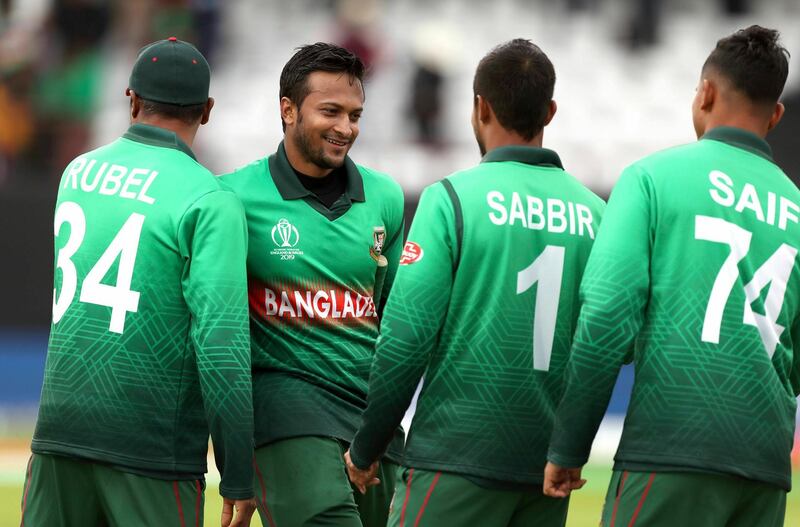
point(695, 277)
point(148, 348)
point(485, 305)
point(325, 241)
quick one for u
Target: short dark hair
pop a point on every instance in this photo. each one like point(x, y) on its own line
point(317, 57)
point(517, 80)
point(187, 114)
point(754, 62)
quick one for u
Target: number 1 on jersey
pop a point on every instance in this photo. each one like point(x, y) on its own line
point(547, 269)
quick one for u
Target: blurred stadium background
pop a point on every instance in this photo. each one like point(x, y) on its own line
point(626, 76)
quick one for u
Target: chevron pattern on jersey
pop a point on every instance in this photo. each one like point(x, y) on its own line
point(666, 286)
point(143, 390)
point(486, 408)
point(312, 318)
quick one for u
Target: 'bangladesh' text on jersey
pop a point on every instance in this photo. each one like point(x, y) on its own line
point(301, 305)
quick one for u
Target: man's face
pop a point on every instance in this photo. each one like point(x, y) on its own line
point(327, 120)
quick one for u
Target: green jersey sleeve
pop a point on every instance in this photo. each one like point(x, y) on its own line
point(213, 240)
point(411, 323)
point(795, 376)
point(614, 294)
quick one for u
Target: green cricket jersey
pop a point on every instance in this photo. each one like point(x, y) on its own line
point(149, 344)
point(485, 304)
point(312, 273)
point(695, 277)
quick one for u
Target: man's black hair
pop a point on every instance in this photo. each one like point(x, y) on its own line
point(317, 57)
point(186, 114)
point(517, 80)
point(754, 62)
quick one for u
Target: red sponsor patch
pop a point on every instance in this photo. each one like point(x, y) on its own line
point(411, 253)
point(317, 303)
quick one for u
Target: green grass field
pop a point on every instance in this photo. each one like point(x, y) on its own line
point(584, 509)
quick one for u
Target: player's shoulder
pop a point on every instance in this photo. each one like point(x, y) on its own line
point(381, 183)
point(584, 194)
point(203, 179)
point(106, 150)
point(170, 154)
point(467, 173)
point(215, 198)
point(239, 176)
point(447, 188)
point(377, 178)
point(460, 178)
point(665, 160)
point(168, 160)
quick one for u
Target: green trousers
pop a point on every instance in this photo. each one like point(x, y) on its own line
point(303, 481)
point(439, 499)
point(67, 492)
point(656, 499)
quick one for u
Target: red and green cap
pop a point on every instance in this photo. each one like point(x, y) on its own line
point(171, 71)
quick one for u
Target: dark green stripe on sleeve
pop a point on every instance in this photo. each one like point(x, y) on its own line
point(459, 219)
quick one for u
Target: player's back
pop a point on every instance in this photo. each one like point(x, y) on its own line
point(121, 382)
point(714, 360)
point(525, 229)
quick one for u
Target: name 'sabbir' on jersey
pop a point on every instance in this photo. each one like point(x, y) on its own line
point(532, 212)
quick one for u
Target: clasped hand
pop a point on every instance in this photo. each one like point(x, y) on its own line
point(361, 478)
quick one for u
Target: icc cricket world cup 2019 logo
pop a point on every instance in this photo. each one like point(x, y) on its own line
point(285, 236)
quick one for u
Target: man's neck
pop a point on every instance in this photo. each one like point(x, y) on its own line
point(736, 112)
point(506, 138)
point(301, 164)
point(185, 132)
point(746, 123)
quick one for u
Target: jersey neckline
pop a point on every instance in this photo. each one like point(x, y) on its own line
point(290, 187)
point(155, 136)
point(740, 138)
point(530, 155)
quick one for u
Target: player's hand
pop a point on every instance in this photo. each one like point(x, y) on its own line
point(560, 481)
point(243, 510)
point(361, 478)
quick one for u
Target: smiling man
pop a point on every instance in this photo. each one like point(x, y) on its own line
point(321, 232)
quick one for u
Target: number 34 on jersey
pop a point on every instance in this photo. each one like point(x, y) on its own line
point(124, 247)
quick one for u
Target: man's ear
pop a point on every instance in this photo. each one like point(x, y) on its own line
point(136, 103)
point(288, 111)
point(708, 94)
point(777, 114)
point(551, 112)
point(483, 109)
point(207, 110)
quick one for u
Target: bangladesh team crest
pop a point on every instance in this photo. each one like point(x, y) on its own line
point(285, 236)
point(378, 239)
